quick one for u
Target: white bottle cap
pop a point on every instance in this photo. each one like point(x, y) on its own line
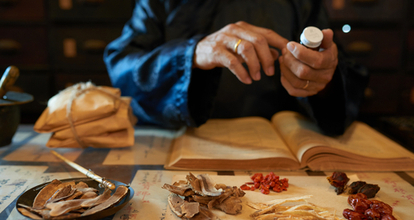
point(311, 37)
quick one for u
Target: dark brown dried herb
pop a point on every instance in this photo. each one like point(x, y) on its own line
point(339, 181)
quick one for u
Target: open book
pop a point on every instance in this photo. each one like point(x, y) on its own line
point(289, 142)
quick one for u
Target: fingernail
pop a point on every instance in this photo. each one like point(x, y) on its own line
point(291, 47)
point(257, 76)
point(270, 71)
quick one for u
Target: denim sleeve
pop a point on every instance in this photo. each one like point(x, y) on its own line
point(155, 73)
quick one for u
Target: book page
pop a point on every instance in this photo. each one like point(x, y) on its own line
point(298, 133)
point(232, 139)
point(301, 134)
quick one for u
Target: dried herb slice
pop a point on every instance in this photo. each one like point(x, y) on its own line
point(120, 193)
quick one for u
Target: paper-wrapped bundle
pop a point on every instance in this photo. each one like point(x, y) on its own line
point(85, 115)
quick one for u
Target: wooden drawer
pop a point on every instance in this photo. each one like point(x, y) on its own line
point(64, 80)
point(376, 49)
point(410, 48)
point(407, 95)
point(382, 94)
point(366, 10)
point(83, 47)
point(22, 10)
point(90, 10)
point(23, 46)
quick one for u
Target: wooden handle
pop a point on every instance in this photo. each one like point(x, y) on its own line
point(9, 77)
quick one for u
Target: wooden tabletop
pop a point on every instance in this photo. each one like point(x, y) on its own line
point(27, 162)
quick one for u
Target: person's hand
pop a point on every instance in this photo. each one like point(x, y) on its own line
point(223, 49)
point(305, 72)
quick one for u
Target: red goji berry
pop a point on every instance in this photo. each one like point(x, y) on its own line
point(245, 187)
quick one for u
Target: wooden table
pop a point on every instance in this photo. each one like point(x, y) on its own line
point(31, 163)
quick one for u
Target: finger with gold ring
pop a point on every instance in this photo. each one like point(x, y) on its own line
point(306, 86)
point(237, 45)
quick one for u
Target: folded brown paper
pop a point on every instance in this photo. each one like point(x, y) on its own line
point(85, 115)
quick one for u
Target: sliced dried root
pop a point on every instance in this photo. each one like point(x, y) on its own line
point(278, 209)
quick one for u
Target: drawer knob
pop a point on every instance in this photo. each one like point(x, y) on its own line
point(9, 46)
point(359, 47)
point(94, 46)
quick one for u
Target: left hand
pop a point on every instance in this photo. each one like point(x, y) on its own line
point(305, 72)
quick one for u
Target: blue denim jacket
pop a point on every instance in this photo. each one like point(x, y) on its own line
point(152, 62)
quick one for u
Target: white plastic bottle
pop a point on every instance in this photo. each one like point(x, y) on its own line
point(311, 37)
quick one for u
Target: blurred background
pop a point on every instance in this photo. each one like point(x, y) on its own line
point(57, 43)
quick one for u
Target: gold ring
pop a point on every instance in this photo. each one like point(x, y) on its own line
point(237, 45)
point(307, 84)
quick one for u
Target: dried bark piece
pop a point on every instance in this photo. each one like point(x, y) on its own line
point(28, 213)
point(75, 195)
point(97, 200)
point(231, 205)
point(182, 190)
point(63, 207)
point(83, 187)
point(202, 199)
point(120, 193)
point(44, 195)
point(189, 209)
point(89, 195)
point(66, 216)
point(195, 184)
point(208, 185)
point(237, 192)
point(62, 193)
point(45, 213)
point(204, 214)
point(207, 195)
point(175, 202)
